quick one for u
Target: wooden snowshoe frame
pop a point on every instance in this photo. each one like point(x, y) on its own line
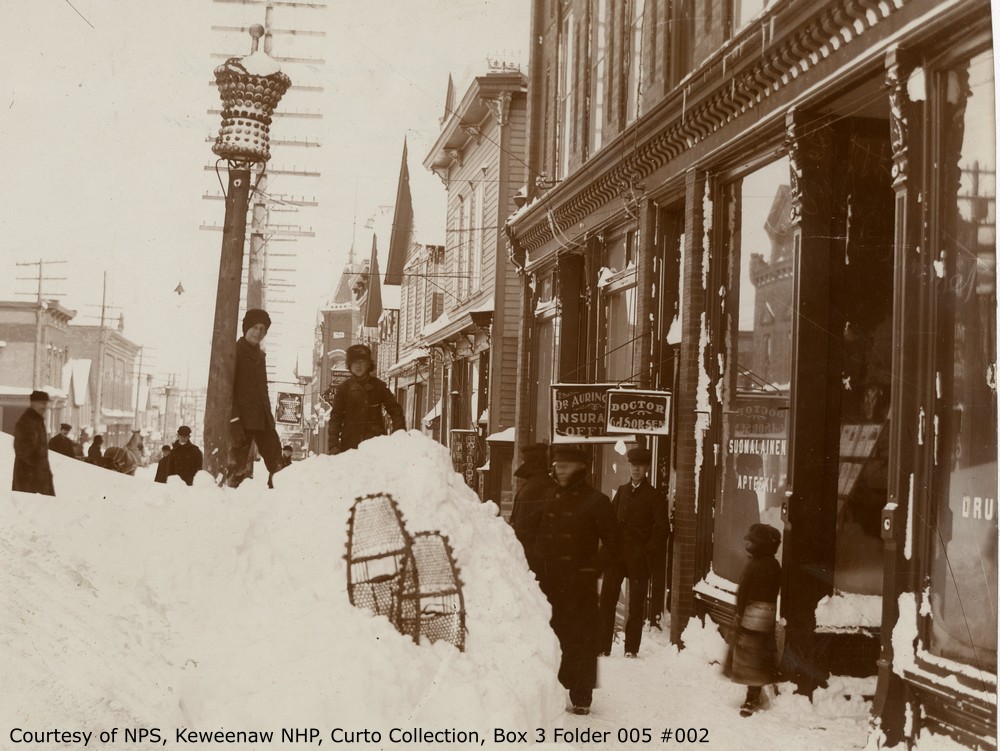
point(411, 579)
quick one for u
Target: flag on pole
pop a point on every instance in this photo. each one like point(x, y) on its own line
point(373, 301)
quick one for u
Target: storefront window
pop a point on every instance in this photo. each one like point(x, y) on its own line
point(758, 325)
point(963, 567)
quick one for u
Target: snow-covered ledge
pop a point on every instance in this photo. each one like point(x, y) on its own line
point(847, 613)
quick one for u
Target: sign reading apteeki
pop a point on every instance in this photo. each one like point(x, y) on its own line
point(632, 411)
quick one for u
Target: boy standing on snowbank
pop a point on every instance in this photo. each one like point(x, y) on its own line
point(356, 412)
point(252, 420)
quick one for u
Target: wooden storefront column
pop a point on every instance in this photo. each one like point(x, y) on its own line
point(810, 508)
point(689, 557)
point(649, 291)
point(905, 126)
point(573, 312)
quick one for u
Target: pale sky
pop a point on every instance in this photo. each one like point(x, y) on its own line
point(103, 127)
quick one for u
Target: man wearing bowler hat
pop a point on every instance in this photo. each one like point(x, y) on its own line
point(31, 449)
point(641, 516)
point(184, 458)
point(571, 530)
point(252, 420)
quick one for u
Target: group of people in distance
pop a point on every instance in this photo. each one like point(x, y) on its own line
point(356, 415)
point(573, 535)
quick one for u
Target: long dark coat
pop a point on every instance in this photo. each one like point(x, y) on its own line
point(641, 513)
point(62, 444)
point(529, 501)
point(251, 402)
point(185, 460)
point(572, 528)
point(752, 658)
point(32, 473)
point(356, 412)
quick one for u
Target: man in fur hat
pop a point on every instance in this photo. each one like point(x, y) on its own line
point(575, 530)
point(31, 449)
point(356, 411)
point(252, 420)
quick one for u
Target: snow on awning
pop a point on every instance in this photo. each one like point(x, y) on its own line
point(504, 436)
point(434, 414)
point(411, 357)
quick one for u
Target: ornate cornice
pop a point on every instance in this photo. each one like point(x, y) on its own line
point(729, 97)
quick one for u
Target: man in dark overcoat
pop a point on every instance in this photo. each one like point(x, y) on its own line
point(641, 514)
point(184, 460)
point(32, 473)
point(571, 530)
point(61, 443)
point(536, 471)
point(252, 420)
point(356, 412)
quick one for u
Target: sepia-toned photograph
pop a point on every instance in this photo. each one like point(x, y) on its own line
point(457, 374)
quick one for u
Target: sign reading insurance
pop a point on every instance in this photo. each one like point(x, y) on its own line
point(580, 410)
point(633, 411)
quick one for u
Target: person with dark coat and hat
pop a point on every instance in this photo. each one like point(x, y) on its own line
point(752, 658)
point(574, 530)
point(95, 454)
point(536, 471)
point(32, 473)
point(641, 514)
point(356, 411)
point(252, 420)
point(163, 466)
point(61, 443)
point(184, 458)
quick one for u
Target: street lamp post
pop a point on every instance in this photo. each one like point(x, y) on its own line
point(250, 88)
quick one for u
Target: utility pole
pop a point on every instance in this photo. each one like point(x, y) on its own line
point(250, 88)
point(42, 306)
point(138, 387)
point(101, 347)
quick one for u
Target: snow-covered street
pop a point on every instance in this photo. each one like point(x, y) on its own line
point(198, 610)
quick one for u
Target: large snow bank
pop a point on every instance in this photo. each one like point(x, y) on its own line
point(130, 603)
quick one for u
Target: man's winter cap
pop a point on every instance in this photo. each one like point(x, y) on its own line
point(65, 426)
point(358, 352)
point(183, 430)
point(255, 316)
point(534, 459)
point(98, 439)
point(570, 453)
point(167, 449)
point(287, 448)
point(639, 456)
point(764, 536)
point(38, 396)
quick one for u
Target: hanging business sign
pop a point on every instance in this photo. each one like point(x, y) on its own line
point(465, 455)
point(289, 409)
point(632, 411)
point(580, 411)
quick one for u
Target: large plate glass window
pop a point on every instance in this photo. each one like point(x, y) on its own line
point(963, 567)
point(756, 359)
